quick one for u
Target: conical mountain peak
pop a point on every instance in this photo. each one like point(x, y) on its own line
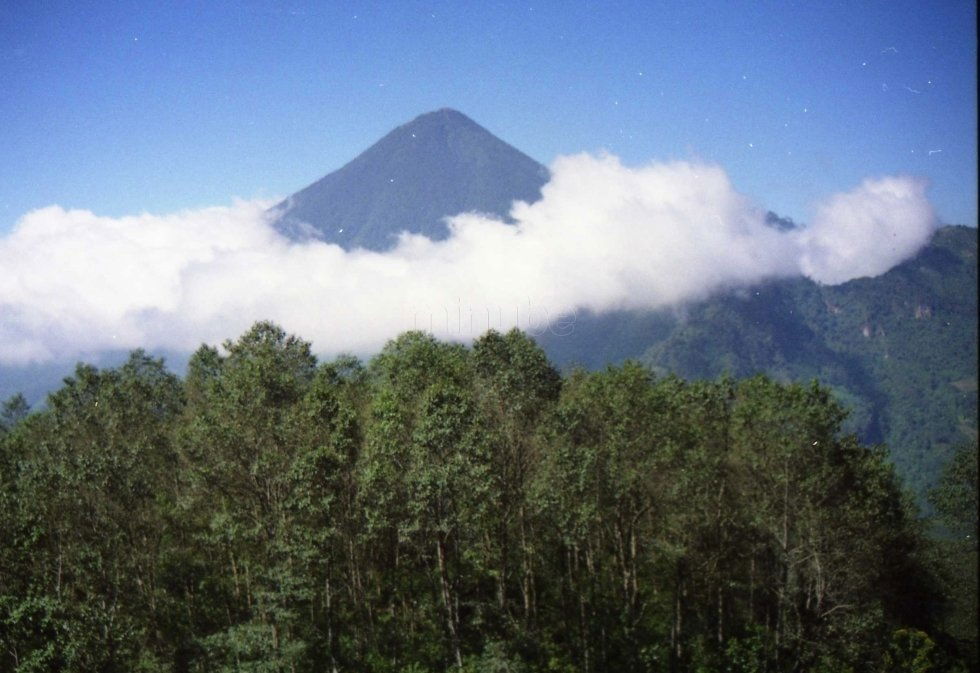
point(446, 116)
point(439, 164)
point(445, 113)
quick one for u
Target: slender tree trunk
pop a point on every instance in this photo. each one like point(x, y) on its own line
point(331, 640)
point(452, 618)
point(501, 566)
point(677, 632)
point(234, 574)
point(248, 588)
point(721, 616)
point(574, 571)
point(634, 584)
point(58, 579)
point(528, 589)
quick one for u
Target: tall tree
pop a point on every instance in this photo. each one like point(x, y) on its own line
point(426, 466)
point(239, 441)
point(92, 481)
point(516, 387)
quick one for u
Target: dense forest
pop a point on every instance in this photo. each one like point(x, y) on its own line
point(446, 507)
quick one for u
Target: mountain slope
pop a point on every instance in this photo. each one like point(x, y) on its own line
point(439, 164)
point(899, 349)
point(914, 329)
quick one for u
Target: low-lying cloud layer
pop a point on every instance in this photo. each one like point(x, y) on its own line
point(603, 237)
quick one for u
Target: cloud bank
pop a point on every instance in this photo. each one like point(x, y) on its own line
point(603, 237)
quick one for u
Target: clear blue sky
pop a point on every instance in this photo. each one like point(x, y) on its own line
point(125, 107)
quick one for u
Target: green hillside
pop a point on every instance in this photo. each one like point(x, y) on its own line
point(899, 350)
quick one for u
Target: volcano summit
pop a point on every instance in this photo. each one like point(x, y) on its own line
point(440, 164)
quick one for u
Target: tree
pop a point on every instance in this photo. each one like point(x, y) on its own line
point(453, 508)
point(516, 387)
point(605, 488)
point(240, 442)
point(425, 469)
point(955, 500)
point(13, 411)
point(93, 475)
point(955, 497)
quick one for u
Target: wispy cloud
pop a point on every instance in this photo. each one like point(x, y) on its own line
point(604, 236)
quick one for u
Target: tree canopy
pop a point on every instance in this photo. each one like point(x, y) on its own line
point(446, 507)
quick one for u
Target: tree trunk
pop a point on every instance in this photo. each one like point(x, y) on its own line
point(452, 618)
point(677, 631)
point(721, 616)
point(527, 579)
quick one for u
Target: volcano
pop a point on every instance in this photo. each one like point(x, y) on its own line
point(439, 164)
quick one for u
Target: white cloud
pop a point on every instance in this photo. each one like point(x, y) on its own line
point(867, 231)
point(603, 237)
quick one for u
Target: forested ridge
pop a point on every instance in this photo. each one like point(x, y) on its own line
point(445, 507)
point(899, 350)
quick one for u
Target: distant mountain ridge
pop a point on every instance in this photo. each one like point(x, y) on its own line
point(900, 349)
point(439, 164)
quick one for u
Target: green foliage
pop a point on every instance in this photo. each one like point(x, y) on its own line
point(453, 508)
point(84, 517)
point(910, 651)
point(899, 349)
point(955, 497)
point(955, 502)
point(12, 412)
point(750, 653)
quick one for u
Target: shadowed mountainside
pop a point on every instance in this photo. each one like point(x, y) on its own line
point(439, 164)
point(900, 349)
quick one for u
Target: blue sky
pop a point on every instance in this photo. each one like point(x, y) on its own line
point(127, 107)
